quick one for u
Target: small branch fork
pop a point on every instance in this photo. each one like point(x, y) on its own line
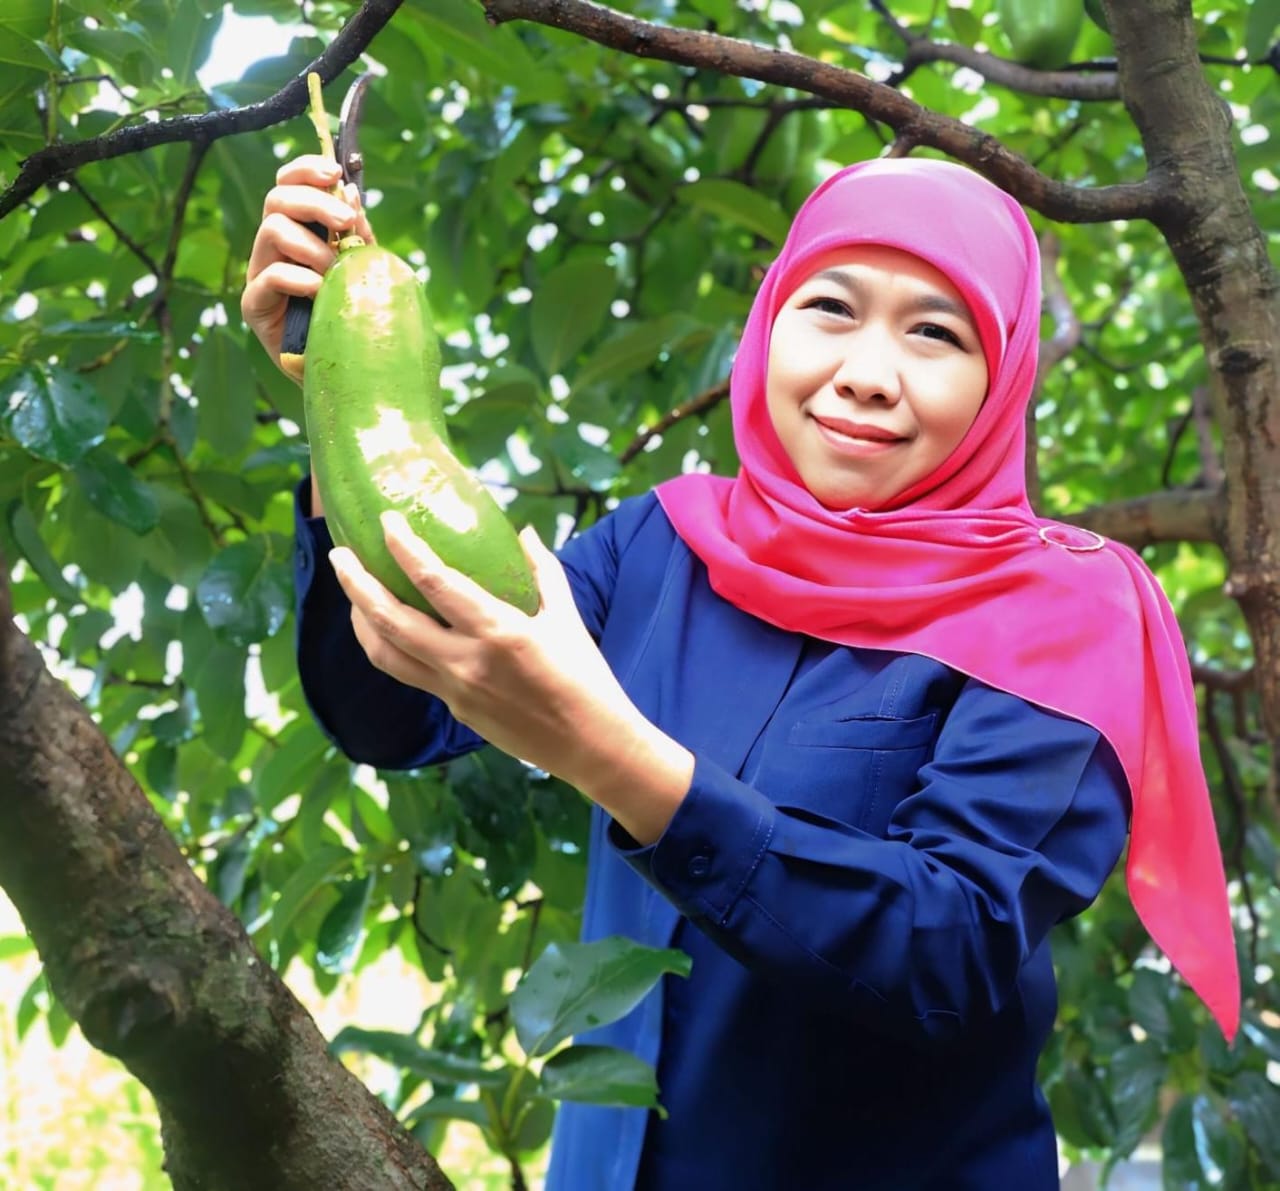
point(58, 161)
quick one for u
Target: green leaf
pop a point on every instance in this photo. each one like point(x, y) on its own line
point(584, 462)
point(740, 204)
point(601, 1075)
point(342, 931)
point(423, 1119)
point(227, 873)
point(292, 767)
point(31, 18)
point(1081, 1111)
point(1149, 1003)
point(15, 945)
point(574, 987)
point(406, 1052)
point(223, 382)
point(1200, 1151)
point(1136, 1075)
point(568, 308)
point(220, 691)
point(26, 536)
point(635, 347)
point(161, 769)
point(17, 50)
point(968, 29)
point(191, 34)
point(54, 414)
point(1261, 27)
point(460, 29)
point(311, 876)
point(1255, 1100)
point(116, 492)
point(536, 1119)
point(246, 594)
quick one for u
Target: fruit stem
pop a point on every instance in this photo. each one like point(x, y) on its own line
point(320, 122)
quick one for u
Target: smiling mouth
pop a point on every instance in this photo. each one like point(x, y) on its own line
point(857, 434)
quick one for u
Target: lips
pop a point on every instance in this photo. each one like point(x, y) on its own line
point(858, 431)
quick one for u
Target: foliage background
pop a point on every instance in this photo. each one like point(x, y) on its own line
point(590, 226)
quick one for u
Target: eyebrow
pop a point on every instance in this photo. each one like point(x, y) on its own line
point(932, 301)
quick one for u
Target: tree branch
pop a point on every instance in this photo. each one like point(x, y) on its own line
point(695, 405)
point(1053, 84)
point(1180, 515)
point(57, 161)
point(116, 230)
point(161, 975)
point(847, 88)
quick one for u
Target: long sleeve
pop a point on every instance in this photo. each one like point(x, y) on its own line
point(1013, 824)
point(373, 717)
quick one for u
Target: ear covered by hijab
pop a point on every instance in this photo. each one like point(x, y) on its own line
point(958, 567)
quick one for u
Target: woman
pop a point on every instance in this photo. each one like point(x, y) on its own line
point(858, 727)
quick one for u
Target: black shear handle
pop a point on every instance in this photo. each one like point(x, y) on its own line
point(297, 321)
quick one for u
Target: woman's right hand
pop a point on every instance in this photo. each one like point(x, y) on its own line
point(288, 259)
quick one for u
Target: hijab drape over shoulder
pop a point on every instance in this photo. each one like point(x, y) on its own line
point(958, 567)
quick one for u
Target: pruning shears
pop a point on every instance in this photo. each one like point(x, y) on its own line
point(297, 319)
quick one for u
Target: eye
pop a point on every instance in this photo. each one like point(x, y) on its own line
point(828, 306)
point(936, 331)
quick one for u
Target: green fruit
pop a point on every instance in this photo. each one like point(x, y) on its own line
point(1042, 32)
point(371, 392)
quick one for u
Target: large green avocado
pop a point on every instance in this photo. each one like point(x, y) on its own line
point(1042, 32)
point(371, 391)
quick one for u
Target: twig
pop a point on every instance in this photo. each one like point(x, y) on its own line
point(695, 405)
point(1215, 679)
point(198, 150)
point(1052, 84)
point(116, 230)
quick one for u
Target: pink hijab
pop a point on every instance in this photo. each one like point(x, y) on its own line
point(958, 567)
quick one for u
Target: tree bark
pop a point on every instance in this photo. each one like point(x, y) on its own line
point(161, 975)
point(1222, 255)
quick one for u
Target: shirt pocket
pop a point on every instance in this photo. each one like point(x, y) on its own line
point(853, 771)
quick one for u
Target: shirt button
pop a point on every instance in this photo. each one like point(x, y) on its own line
point(700, 865)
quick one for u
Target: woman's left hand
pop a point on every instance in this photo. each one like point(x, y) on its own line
point(536, 686)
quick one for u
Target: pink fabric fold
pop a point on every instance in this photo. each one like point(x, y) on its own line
point(958, 567)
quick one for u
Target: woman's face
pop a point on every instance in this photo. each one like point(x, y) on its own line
point(875, 374)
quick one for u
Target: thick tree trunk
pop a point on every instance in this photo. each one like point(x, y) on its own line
point(158, 973)
point(1222, 254)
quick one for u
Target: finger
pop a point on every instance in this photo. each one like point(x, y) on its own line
point(388, 657)
point(363, 228)
point(408, 629)
point(309, 169)
point(457, 597)
point(308, 204)
point(280, 239)
point(261, 296)
point(548, 573)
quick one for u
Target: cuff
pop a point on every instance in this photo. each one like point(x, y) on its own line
point(311, 537)
point(711, 848)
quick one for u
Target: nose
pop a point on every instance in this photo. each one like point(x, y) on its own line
point(868, 370)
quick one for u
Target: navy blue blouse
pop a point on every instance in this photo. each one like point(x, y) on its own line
point(865, 871)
